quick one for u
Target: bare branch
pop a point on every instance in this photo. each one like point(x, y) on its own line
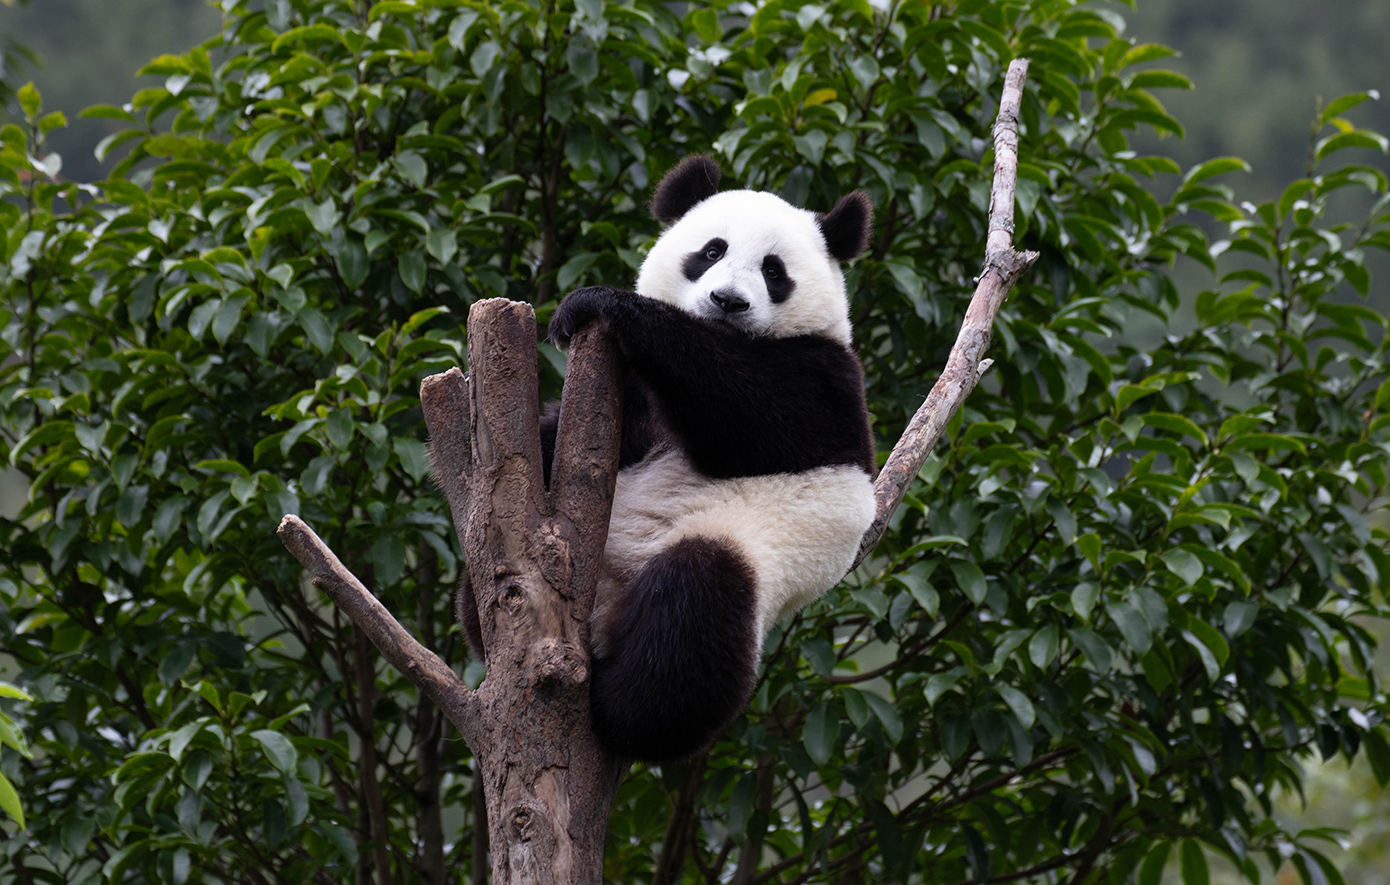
point(1003, 268)
point(420, 665)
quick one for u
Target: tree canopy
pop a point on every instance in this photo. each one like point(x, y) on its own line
point(1120, 609)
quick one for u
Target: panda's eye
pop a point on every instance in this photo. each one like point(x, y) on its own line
point(712, 253)
point(770, 272)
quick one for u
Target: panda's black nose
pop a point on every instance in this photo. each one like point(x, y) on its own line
point(729, 301)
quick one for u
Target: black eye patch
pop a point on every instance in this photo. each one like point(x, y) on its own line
point(779, 285)
point(702, 259)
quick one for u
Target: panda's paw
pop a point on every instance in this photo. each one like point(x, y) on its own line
point(577, 310)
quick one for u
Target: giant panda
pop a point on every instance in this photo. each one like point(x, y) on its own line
point(745, 471)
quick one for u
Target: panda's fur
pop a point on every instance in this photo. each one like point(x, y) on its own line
point(745, 483)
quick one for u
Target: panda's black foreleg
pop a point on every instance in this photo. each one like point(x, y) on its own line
point(682, 659)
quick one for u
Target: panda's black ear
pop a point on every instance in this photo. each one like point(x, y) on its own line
point(693, 180)
point(846, 227)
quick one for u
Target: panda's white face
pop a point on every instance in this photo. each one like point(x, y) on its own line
point(753, 261)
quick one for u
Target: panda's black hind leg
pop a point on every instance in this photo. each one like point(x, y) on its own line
point(682, 653)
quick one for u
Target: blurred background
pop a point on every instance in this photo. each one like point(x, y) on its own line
point(1261, 68)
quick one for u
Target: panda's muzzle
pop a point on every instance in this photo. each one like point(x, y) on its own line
point(729, 301)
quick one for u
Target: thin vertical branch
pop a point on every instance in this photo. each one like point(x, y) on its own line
point(1003, 268)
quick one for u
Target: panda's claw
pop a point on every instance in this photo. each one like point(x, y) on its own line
point(576, 310)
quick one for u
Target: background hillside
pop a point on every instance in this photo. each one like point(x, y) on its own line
point(1260, 67)
point(88, 52)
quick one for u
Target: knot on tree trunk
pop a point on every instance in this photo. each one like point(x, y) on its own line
point(559, 664)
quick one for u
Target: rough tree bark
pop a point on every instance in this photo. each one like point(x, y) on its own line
point(533, 554)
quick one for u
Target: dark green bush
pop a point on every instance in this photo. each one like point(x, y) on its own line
point(1122, 607)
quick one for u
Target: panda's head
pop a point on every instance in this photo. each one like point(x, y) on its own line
point(751, 259)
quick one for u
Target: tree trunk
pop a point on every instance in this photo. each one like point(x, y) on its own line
point(533, 557)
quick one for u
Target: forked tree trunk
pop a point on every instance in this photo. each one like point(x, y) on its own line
point(533, 559)
point(533, 554)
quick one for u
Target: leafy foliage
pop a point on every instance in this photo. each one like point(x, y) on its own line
point(1113, 616)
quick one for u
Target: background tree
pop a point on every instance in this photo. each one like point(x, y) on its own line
point(1113, 615)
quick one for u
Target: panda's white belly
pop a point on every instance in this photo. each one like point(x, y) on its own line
point(799, 531)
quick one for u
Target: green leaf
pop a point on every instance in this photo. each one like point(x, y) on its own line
point(180, 739)
point(1083, 599)
point(49, 122)
point(415, 459)
point(1093, 647)
point(1194, 864)
point(316, 33)
point(705, 23)
point(30, 103)
point(351, 258)
point(820, 734)
point(1211, 168)
point(1018, 704)
point(278, 749)
point(856, 707)
point(12, 737)
point(10, 691)
point(1042, 648)
point(178, 656)
point(1208, 657)
point(412, 167)
point(887, 715)
point(1212, 639)
point(1341, 105)
point(1156, 79)
point(9, 802)
point(442, 244)
point(1359, 138)
point(1132, 626)
point(1089, 545)
point(1183, 564)
point(1151, 871)
point(1378, 753)
point(1221, 562)
point(583, 60)
point(324, 217)
point(223, 466)
point(1263, 441)
point(412, 269)
point(388, 554)
point(1142, 53)
point(339, 427)
point(1239, 616)
point(970, 579)
point(107, 112)
point(225, 321)
point(1176, 424)
point(940, 683)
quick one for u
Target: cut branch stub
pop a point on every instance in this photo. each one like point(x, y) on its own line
point(444, 400)
point(586, 452)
